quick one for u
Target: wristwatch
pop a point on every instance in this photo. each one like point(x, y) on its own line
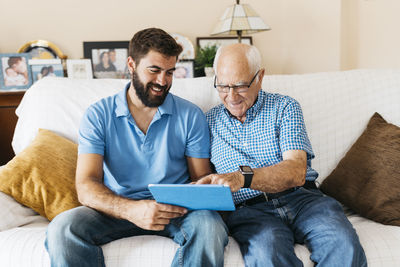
point(248, 173)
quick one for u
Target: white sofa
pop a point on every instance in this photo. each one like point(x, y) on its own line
point(336, 106)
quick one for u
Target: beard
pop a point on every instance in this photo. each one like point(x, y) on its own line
point(143, 92)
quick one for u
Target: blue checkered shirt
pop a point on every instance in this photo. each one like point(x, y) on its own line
point(273, 125)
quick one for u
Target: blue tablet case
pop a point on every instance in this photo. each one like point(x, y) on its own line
point(194, 196)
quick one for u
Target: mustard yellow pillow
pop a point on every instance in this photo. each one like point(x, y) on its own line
point(42, 176)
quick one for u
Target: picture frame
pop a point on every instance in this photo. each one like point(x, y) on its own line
point(15, 72)
point(184, 69)
point(79, 69)
point(42, 68)
point(219, 41)
point(108, 58)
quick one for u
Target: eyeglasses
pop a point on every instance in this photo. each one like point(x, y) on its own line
point(239, 88)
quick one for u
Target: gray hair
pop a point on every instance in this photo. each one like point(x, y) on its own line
point(253, 58)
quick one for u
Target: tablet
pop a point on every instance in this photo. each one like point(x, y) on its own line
point(194, 196)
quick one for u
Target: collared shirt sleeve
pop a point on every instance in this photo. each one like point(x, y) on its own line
point(91, 132)
point(293, 134)
point(198, 140)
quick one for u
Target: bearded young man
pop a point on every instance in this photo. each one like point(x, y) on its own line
point(142, 135)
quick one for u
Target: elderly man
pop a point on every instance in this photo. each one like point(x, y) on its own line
point(260, 148)
point(141, 135)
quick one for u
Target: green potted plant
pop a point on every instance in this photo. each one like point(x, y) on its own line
point(204, 60)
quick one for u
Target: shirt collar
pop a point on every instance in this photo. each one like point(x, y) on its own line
point(122, 104)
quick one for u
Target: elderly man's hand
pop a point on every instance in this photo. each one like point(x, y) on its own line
point(234, 180)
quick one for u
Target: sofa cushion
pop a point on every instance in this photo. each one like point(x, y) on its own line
point(13, 214)
point(367, 179)
point(42, 176)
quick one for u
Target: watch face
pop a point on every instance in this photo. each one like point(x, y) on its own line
point(246, 169)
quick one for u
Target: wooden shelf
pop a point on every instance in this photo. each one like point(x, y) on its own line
point(9, 102)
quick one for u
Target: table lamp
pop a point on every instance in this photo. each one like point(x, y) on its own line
point(239, 19)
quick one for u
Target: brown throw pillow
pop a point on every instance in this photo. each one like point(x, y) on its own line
point(42, 176)
point(367, 179)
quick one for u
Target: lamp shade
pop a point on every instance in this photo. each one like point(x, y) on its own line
point(240, 17)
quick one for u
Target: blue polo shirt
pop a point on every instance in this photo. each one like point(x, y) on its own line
point(132, 159)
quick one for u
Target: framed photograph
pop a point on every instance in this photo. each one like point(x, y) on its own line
point(46, 68)
point(15, 72)
point(220, 41)
point(108, 58)
point(184, 69)
point(79, 69)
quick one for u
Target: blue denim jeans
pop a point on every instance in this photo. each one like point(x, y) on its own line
point(74, 237)
point(266, 232)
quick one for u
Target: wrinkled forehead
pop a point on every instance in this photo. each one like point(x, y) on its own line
point(233, 69)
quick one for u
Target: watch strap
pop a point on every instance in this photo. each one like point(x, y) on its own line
point(247, 173)
point(248, 178)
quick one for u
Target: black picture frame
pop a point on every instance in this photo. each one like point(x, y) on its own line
point(117, 68)
point(218, 41)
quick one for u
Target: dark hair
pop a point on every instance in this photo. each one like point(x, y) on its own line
point(102, 55)
point(44, 69)
point(153, 39)
point(13, 60)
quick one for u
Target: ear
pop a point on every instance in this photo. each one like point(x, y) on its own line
point(261, 76)
point(131, 65)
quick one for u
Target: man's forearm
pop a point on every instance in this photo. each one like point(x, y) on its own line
point(273, 179)
point(96, 195)
point(279, 177)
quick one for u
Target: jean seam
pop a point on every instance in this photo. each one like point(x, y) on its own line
point(180, 249)
point(99, 258)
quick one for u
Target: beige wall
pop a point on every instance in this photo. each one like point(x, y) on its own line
point(379, 38)
point(306, 35)
point(370, 34)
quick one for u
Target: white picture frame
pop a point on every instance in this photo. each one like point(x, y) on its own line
point(184, 69)
point(79, 69)
point(42, 68)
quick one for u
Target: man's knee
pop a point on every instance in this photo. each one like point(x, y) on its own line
point(347, 238)
point(258, 251)
point(71, 221)
point(209, 225)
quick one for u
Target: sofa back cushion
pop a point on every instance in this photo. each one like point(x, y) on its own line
point(367, 179)
point(336, 105)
